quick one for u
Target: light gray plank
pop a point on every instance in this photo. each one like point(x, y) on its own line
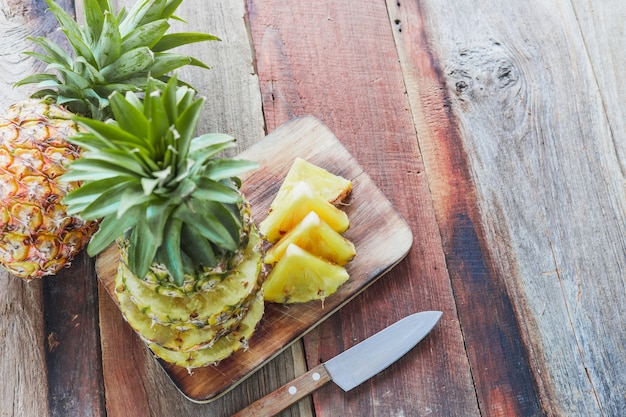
point(541, 124)
point(603, 31)
point(231, 86)
point(24, 388)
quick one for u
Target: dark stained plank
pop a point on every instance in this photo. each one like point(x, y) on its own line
point(528, 189)
point(73, 361)
point(347, 74)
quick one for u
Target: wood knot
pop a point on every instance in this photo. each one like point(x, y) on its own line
point(482, 72)
point(486, 86)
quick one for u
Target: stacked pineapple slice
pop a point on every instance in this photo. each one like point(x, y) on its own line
point(189, 279)
point(305, 226)
point(110, 52)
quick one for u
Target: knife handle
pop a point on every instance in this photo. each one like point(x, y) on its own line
point(288, 394)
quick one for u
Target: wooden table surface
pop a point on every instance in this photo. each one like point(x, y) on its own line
point(496, 129)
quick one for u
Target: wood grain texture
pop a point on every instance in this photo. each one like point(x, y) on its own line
point(338, 62)
point(73, 359)
point(602, 27)
point(505, 383)
point(19, 20)
point(22, 355)
point(231, 87)
point(372, 218)
point(527, 180)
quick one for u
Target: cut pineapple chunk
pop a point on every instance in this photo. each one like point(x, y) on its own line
point(330, 187)
point(296, 205)
point(300, 277)
point(314, 235)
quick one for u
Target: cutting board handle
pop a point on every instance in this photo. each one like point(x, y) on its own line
point(288, 394)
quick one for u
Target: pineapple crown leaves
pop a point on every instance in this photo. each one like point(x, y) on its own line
point(109, 53)
point(157, 185)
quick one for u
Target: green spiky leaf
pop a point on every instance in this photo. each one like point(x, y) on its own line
point(169, 251)
point(196, 247)
point(146, 35)
point(109, 45)
point(207, 224)
point(131, 62)
point(94, 18)
point(148, 171)
point(174, 40)
point(221, 169)
point(111, 228)
point(110, 52)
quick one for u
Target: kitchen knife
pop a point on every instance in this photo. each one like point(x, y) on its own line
point(352, 367)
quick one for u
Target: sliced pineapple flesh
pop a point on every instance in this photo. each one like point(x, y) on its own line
point(305, 227)
point(300, 201)
point(330, 187)
point(170, 337)
point(315, 236)
point(300, 277)
point(222, 348)
point(210, 308)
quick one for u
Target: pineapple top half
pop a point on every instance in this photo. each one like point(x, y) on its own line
point(163, 189)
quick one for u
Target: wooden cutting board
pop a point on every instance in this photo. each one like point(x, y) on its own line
point(381, 237)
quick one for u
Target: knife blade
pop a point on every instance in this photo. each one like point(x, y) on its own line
point(351, 367)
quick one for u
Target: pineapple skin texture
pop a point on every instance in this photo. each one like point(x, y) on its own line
point(37, 237)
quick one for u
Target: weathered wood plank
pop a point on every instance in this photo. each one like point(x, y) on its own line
point(75, 384)
point(233, 105)
point(502, 374)
point(541, 194)
point(19, 20)
point(34, 381)
point(74, 366)
point(231, 87)
point(335, 61)
point(602, 28)
point(22, 356)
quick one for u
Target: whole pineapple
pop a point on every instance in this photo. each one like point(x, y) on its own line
point(110, 52)
point(189, 278)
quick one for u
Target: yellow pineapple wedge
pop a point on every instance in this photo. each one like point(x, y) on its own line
point(305, 226)
point(300, 277)
point(317, 237)
point(299, 202)
point(330, 187)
